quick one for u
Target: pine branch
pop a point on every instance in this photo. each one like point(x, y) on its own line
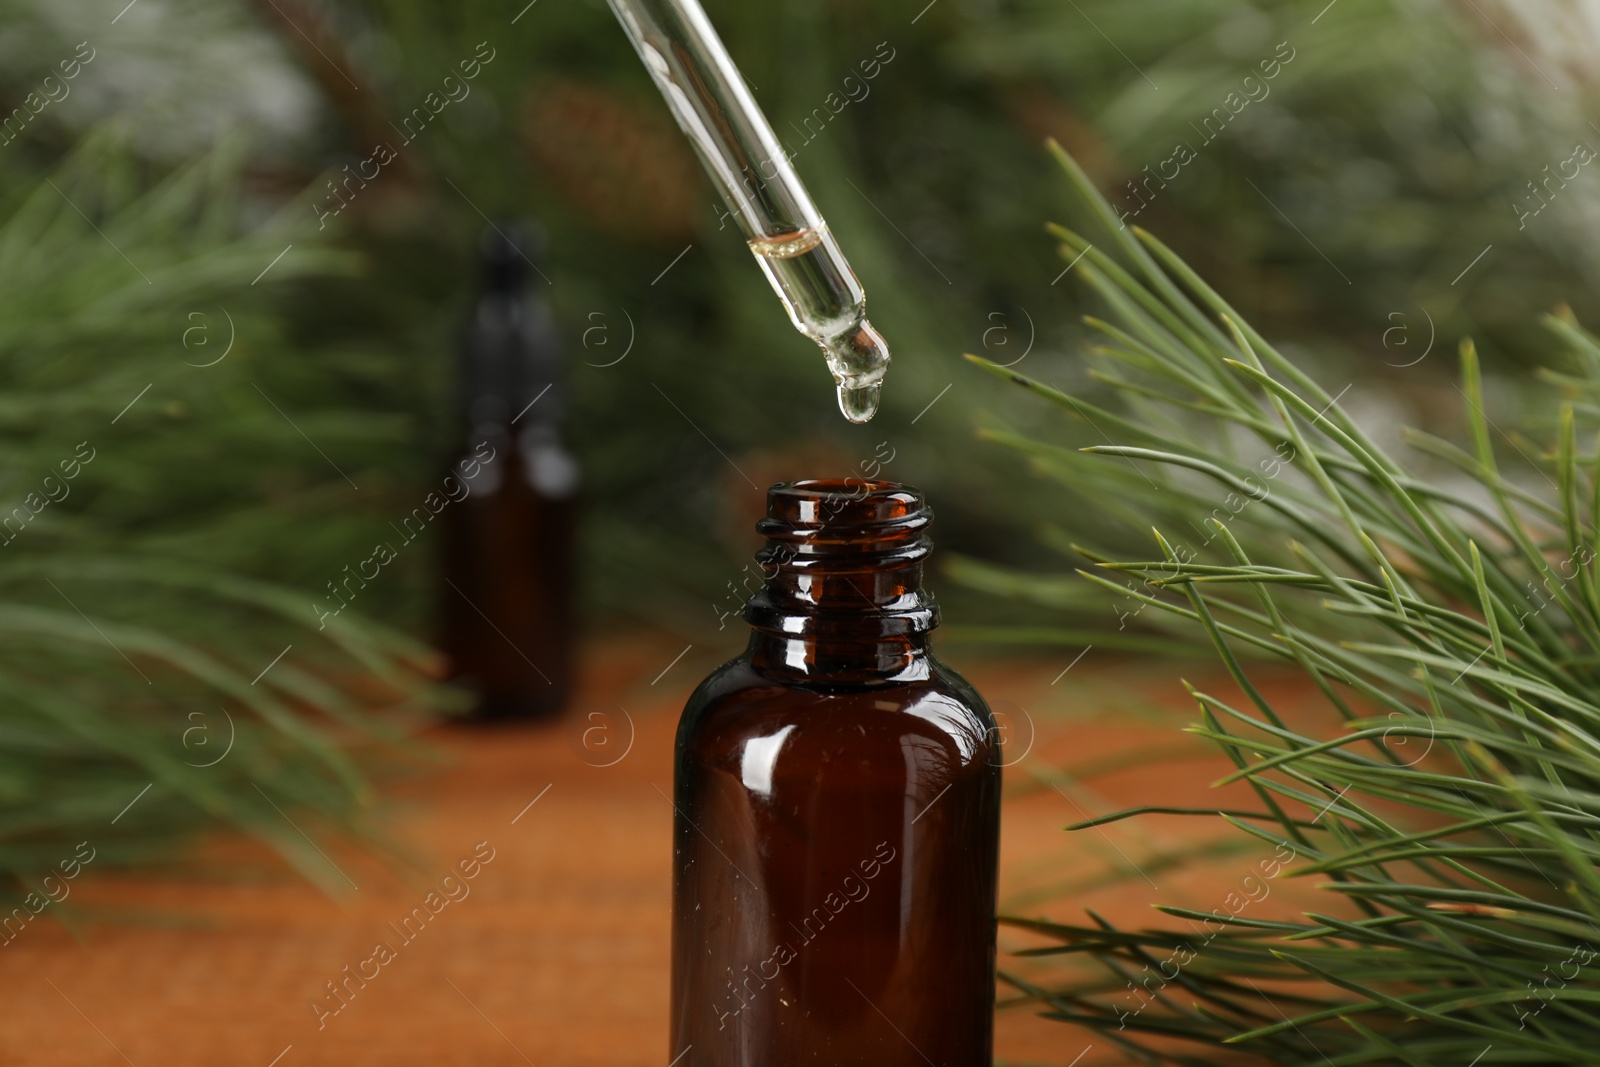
point(1459, 810)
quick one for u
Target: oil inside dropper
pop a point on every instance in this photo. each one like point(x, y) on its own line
point(825, 302)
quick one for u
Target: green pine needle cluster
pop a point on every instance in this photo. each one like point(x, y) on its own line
point(1451, 616)
point(137, 339)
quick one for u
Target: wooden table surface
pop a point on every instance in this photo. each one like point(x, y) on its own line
point(557, 954)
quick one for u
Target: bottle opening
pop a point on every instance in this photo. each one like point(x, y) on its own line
point(845, 517)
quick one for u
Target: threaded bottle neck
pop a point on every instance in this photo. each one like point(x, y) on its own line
point(843, 564)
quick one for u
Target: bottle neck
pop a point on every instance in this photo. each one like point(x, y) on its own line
point(843, 600)
point(821, 661)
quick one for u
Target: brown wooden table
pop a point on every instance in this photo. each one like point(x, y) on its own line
point(557, 955)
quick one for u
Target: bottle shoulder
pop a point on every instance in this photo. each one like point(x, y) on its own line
point(737, 703)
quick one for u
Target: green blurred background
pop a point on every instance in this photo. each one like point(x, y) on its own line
point(1370, 202)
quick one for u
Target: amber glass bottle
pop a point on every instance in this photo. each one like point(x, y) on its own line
point(838, 811)
point(507, 598)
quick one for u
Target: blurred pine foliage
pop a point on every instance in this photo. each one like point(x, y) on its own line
point(142, 471)
point(1387, 151)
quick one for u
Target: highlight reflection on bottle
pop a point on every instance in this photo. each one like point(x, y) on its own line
point(837, 825)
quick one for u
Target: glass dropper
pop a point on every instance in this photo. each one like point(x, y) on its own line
point(751, 170)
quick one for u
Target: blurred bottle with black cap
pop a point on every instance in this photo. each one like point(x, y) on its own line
point(508, 616)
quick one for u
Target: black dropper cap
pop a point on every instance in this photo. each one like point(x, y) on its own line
point(511, 361)
point(508, 254)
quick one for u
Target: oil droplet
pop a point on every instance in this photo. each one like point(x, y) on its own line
point(858, 361)
point(859, 402)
